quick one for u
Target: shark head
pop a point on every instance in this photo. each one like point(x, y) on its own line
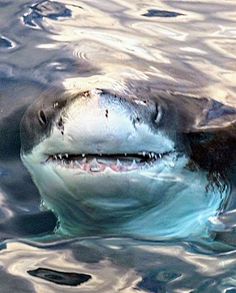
point(115, 165)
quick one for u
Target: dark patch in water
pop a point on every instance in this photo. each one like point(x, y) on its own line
point(155, 282)
point(61, 278)
point(161, 13)
point(151, 285)
point(5, 43)
point(49, 9)
point(30, 224)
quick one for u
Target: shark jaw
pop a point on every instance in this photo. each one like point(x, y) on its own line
point(94, 163)
point(102, 171)
point(160, 201)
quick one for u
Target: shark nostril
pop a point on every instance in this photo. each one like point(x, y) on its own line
point(42, 118)
point(60, 125)
point(60, 122)
point(106, 113)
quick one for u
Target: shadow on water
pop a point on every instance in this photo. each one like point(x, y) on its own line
point(161, 13)
point(61, 278)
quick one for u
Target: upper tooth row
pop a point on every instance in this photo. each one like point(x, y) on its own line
point(150, 155)
point(144, 154)
point(60, 156)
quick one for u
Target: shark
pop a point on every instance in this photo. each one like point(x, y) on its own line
point(150, 165)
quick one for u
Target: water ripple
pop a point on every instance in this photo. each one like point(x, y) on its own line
point(5, 43)
point(45, 9)
point(185, 47)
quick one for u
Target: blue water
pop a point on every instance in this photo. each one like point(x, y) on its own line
point(180, 46)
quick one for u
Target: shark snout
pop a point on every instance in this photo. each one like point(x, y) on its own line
point(95, 122)
point(101, 122)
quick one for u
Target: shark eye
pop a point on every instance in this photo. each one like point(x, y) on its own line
point(158, 114)
point(42, 118)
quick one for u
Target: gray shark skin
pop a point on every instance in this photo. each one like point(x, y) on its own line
point(17, 191)
point(141, 164)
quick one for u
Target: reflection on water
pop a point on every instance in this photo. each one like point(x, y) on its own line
point(180, 46)
point(117, 265)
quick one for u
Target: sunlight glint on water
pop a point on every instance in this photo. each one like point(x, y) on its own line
point(180, 46)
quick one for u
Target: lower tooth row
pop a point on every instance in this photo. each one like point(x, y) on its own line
point(94, 166)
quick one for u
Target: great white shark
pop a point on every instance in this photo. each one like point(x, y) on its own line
point(123, 164)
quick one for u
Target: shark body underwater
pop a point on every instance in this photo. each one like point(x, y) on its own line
point(149, 165)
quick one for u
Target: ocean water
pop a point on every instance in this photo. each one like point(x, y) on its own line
point(185, 47)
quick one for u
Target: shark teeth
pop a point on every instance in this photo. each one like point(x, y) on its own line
point(84, 161)
point(99, 162)
point(94, 166)
point(139, 155)
point(133, 166)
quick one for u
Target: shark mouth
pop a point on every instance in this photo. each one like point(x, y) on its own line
point(100, 162)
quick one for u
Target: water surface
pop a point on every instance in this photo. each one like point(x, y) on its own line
point(185, 47)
